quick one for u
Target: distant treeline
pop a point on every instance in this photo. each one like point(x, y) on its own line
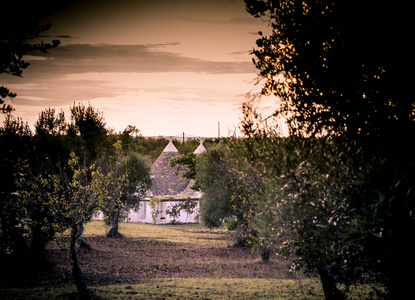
point(151, 147)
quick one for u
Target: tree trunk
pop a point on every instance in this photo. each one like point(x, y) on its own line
point(84, 244)
point(77, 274)
point(113, 233)
point(37, 250)
point(329, 284)
point(266, 252)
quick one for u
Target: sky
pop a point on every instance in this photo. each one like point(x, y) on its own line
point(164, 66)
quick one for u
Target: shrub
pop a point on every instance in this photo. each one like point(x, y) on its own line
point(231, 224)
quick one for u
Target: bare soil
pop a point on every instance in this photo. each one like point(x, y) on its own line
point(133, 260)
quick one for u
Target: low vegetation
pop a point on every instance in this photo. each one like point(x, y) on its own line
point(165, 262)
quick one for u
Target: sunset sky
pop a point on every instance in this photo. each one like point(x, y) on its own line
point(165, 66)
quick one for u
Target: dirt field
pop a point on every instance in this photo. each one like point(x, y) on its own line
point(163, 262)
point(130, 260)
point(148, 251)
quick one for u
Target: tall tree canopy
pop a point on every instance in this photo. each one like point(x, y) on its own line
point(337, 66)
point(342, 70)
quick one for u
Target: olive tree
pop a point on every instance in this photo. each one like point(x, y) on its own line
point(15, 143)
point(333, 76)
point(124, 181)
point(67, 199)
point(231, 188)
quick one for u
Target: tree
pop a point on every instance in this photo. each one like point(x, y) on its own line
point(67, 198)
point(189, 146)
point(51, 149)
point(124, 182)
point(174, 210)
point(150, 147)
point(185, 165)
point(327, 63)
point(46, 189)
point(51, 123)
point(230, 187)
point(212, 177)
point(306, 210)
point(15, 42)
point(331, 73)
point(154, 203)
point(15, 143)
point(127, 138)
point(89, 124)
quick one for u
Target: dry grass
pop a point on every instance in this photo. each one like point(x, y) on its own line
point(188, 234)
point(186, 288)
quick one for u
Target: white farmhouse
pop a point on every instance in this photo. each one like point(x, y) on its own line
point(170, 189)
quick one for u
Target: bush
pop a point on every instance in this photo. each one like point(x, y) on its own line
point(231, 225)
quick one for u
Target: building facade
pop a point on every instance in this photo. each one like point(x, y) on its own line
point(169, 191)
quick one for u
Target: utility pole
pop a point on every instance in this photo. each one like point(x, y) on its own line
point(183, 143)
point(219, 130)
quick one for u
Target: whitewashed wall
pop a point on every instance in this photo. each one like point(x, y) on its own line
point(143, 214)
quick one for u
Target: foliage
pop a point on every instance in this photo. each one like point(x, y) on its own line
point(153, 203)
point(335, 79)
point(124, 181)
point(231, 224)
point(212, 176)
point(15, 42)
point(68, 195)
point(309, 182)
point(332, 75)
point(50, 123)
point(15, 143)
point(15, 127)
point(89, 124)
point(127, 138)
point(189, 161)
point(174, 210)
point(189, 146)
point(49, 188)
point(231, 188)
point(149, 147)
point(189, 206)
point(65, 199)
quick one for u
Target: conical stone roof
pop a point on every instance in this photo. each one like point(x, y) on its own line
point(164, 178)
point(200, 149)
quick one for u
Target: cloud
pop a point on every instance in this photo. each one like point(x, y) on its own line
point(229, 21)
point(59, 92)
point(86, 58)
point(240, 52)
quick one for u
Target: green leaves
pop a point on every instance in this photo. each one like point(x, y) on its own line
point(63, 198)
point(121, 182)
point(189, 161)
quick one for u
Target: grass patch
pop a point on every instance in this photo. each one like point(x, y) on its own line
point(216, 288)
point(195, 288)
point(188, 233)
point(183, 288)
